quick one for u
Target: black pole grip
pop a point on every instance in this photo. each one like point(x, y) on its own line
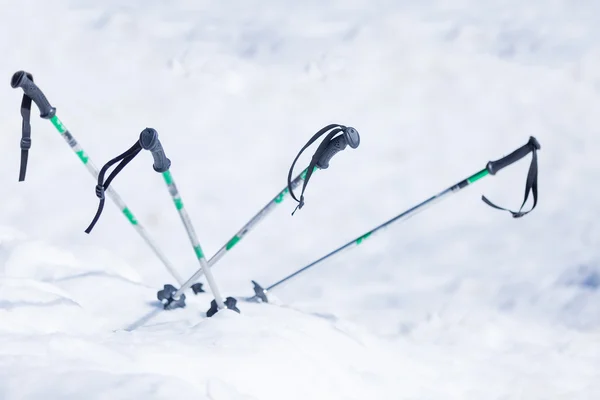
point(350, 138)
point(335, 146)
point(494, 166)
point(149, 141)
point(22, 80)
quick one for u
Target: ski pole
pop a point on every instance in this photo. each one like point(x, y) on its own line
point(491, 168)
point(32, 92)
point(172, 297)
point(148, 140)
point(169, 292)
point(175, 298)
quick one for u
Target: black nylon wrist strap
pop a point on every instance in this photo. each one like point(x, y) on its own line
point(530, 186)
point(313, 161)
point(102, 185)
point(25, 133)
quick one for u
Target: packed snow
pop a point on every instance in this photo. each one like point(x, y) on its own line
point(459, 302)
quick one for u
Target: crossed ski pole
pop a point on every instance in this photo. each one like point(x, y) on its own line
point(148, 140)
point(32, 92)
point(492, 167)
point(173, 298)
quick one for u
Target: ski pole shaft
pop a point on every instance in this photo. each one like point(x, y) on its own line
point(21, 80)
point(266, 210)
point(404, 216)
point(335, 146)
point(187, 223)
point(149, 141)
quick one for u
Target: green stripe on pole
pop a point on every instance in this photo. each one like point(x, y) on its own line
point(199, 252)
point(130, 216)
point(178, 203)
point(306, 172)
point(232, 242)
point(169, 181)
point(82, 156)
point(363, 238)
point(478, 176)
point(58, 124)
point(281, 195)
point(167, 176)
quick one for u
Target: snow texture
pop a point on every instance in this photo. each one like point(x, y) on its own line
point(460, 302)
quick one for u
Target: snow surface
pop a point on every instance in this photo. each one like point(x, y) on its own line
point(460, 302)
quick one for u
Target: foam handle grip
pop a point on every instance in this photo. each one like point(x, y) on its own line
point(149, 141)
point(22, 80)
point(494, 166)
point(335, 146)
